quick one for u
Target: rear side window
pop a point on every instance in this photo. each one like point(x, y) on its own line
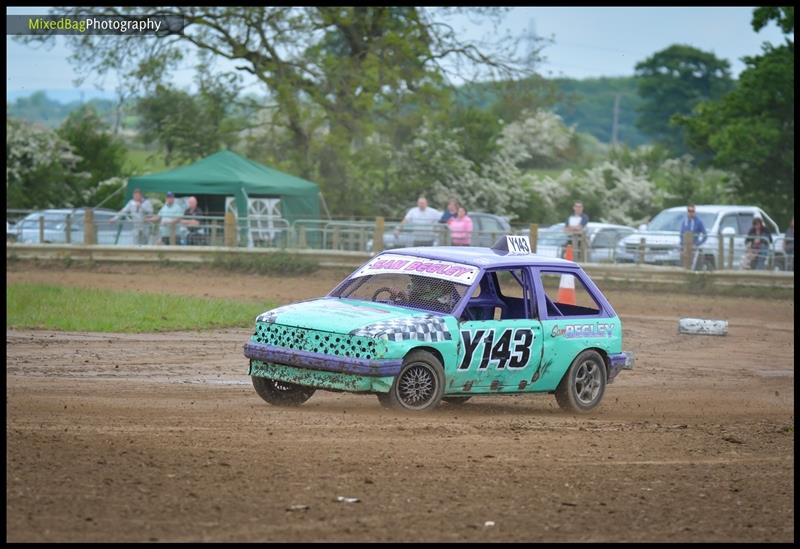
point(566, 295)
point(745, 222)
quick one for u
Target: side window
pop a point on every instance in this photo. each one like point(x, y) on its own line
point(604, 239)
point(729, 221)
point(502, 296)
point(745, 222)
point(566, 295)
point(492, 224)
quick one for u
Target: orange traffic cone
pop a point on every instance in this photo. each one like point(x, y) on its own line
point(566, 287)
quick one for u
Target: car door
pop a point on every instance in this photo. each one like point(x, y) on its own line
point(575, 316)
point(501, 340)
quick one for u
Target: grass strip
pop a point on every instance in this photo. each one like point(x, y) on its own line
point(88, 310)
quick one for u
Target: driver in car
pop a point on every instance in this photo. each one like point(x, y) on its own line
point(432, 294)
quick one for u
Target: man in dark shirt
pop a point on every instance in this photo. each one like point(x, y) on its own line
point(194, 225)
point(693, 224)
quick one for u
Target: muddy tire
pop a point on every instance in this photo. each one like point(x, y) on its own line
point(582, 387)
point(419, 385)
point(455, 401)
point(281, 393)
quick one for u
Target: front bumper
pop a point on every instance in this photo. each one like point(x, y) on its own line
point(619, 362)
point(323, 362)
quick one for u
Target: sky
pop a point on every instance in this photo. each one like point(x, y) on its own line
point(587, 42)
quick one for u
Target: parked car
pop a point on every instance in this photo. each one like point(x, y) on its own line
point(26, 231)
point(417, 326)
point(663, 240)
point(486, 228)
point(602, 239)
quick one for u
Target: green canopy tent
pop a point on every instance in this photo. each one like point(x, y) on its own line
point(226, 173)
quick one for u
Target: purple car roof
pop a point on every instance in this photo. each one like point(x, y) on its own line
point(482, 257)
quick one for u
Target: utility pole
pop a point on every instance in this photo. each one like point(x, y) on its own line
point(615, 123)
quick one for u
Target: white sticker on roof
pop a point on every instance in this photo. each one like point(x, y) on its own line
point(434, 268)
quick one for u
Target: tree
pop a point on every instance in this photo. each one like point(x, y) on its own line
point(671, 82)
point(750, 131)
point(102, 157)
point(335, 74)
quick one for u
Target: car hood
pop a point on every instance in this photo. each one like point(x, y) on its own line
point(337, 315)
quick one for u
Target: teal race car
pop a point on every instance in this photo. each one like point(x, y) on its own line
point(418, 326)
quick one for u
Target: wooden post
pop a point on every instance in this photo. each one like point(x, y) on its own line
point(573, 239)
point(213, 233)
point(534, 236)
point(584, 247)
point(688, 241)
point(301, 237)
point(88, 226)
point(68, 230)
point(335, 238)
point(41, 229)
point(230, 230)
point(173, 227)
point(642, 246)
point(720, 252)
point(377, 239)
point(730, 253)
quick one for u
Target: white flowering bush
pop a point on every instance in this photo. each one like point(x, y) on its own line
point(39, 167)
point(539, 138)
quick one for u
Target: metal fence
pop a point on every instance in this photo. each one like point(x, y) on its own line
point(96, 226)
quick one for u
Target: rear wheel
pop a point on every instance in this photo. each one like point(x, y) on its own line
point(419, 385)
point(281, 393)
point(584, 384)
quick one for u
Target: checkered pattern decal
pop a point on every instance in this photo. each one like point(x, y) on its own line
point(428, 328)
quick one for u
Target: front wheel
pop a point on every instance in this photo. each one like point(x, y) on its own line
point(281, 393)
point(419, 385)
point(584, 384)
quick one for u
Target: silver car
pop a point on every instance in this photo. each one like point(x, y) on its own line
point(663, 240)
point(486, 229)
point(602, 240)
point(26, 230)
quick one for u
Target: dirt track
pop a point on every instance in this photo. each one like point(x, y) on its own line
point(161, 437)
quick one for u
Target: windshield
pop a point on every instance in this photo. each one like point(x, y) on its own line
point(51, 220)
point(406, 290)
point(670, 220)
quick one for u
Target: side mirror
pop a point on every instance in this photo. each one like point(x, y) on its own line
point(643, 227)
point(728, 231)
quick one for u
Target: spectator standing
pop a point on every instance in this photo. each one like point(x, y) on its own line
point(139, 209)
point(460, 228)
point(419, 217)
point(693, 224)
point(191, 221)
point(576, 222)
point(788, 246)
point(450, 212)
point(758, 241)
point(169, 214)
